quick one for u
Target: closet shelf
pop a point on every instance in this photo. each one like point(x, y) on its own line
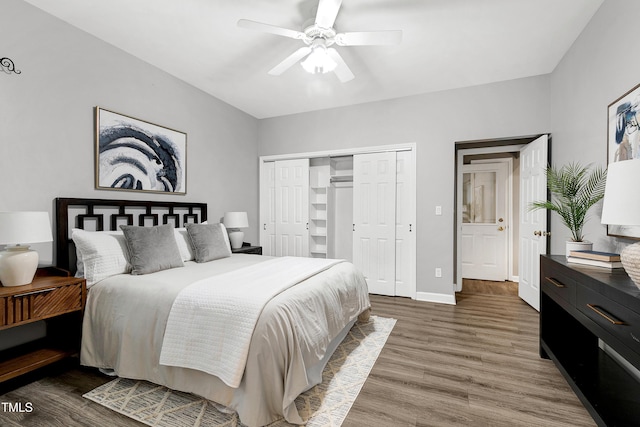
point(341, 178)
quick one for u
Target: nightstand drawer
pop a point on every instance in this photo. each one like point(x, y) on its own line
point(38, 304)
point(614, 318)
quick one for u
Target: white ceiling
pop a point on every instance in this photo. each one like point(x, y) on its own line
point(446, 44)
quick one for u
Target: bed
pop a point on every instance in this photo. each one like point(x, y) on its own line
point(172, 327)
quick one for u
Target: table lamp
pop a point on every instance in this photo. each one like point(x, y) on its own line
point(234, 221)
point(18, 263)
point(621, 206)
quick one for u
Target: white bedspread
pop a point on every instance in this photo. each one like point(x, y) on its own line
point(211, 321)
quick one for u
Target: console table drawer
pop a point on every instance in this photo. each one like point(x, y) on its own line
point(558, 284)
point(616, 319)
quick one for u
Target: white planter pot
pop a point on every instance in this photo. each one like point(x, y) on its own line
point(578, 246)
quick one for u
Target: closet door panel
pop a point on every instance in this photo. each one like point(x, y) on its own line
point(374, 210)
point(292, 207)
point(268, 209)
point(405, 225)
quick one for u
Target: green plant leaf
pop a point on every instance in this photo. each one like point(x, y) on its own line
point(574, 189)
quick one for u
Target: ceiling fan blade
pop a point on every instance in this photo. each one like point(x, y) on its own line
point(272, 29)
point(290, 60)
point(327, 13)
point(342, 71)
point(369, 38)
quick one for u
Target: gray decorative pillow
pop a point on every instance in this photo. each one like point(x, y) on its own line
point(208, 241)
point(151, 249)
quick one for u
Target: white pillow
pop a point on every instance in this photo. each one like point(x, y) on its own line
point(101, 254)
point(184, 244)
point(226, 236)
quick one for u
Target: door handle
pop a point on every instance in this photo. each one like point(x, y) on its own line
point(546, 233)
point(501, 228)
point(537, 233)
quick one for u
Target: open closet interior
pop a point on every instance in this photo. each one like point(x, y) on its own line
point(358, 207)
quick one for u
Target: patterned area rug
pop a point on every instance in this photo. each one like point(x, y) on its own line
point(326, 404)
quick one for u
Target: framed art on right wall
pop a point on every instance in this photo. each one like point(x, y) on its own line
point(623, 143)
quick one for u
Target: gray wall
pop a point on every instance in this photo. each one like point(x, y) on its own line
point(599, 68)
point(47, 143)
point(47, 131)
point(434, 122)
point(47, 126)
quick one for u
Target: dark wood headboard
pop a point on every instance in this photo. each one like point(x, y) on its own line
point(90, 214)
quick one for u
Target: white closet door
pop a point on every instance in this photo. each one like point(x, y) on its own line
point(374, 216)
point(268, 209)
point(405, 225)
point(292, 207)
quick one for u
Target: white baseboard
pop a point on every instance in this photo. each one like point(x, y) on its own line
point(439, 298)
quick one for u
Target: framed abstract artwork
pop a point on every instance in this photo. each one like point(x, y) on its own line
point(136, 155)
point(623, 143)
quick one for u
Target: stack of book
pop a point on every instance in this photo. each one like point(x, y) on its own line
point(595, 258)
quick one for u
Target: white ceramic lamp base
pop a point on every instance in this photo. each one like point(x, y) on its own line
point(630, 257)
point(236, 238)
point(18, 265)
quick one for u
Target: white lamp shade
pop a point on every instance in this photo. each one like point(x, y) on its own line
point(24, 227)
point(236, 220)
point(621, 205)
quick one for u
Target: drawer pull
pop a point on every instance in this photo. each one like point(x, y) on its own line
point(604, 314)
point(554, 282)
point(41, 291)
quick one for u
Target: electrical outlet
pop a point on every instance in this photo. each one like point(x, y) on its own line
point(438, 272)
point(438, 210)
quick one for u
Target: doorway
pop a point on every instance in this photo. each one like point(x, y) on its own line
point(487, 246)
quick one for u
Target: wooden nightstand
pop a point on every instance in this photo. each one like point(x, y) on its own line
point(248, 249)
point(55, 296)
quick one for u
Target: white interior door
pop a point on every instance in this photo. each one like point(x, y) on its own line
point(533, 224)
point(292, 207)
point(484, 236)
point(405, 225)
point(268, 208)
point(374, 212)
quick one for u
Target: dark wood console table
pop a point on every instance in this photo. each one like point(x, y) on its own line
point(582, 308)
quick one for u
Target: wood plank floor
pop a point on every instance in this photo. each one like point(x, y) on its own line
point(472, 364)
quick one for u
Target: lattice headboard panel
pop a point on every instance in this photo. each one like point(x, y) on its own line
point(106, 214)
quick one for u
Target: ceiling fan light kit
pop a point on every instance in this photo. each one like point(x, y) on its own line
point(317, 57)
point(318, 61)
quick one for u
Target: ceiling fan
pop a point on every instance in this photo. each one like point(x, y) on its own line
point(318, 55)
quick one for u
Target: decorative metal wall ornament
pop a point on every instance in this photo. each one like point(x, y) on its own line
point(8, 66)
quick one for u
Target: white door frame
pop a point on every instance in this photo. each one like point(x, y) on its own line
point(473, 151)
point(411, 146)
point(503, 171)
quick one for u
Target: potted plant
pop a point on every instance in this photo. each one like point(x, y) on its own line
point(574, 189)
